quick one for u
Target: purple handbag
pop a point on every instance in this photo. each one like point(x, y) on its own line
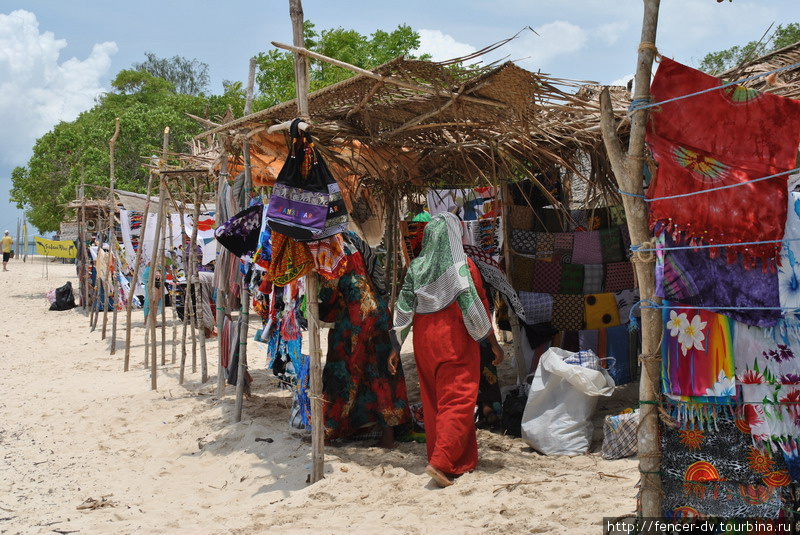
point(309, 207)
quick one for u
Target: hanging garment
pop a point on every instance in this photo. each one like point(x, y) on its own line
point(691, 277)
point(547, 276)
point(538, 307)
point(619, 276)
point(789, 270)
point(722, 137)
point(768, 370)
point(592, 278)
point(568, 313)
point(601, 311)
point(329, 256)
point(240, 233)
point(290, 261)
point(586, 248)
point(358, 388)
point(495, 278)
point(372, 263)
point(571, 279)
point(697, 362)
point(716, 472)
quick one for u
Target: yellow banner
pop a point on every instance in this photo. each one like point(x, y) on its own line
point(59, 249)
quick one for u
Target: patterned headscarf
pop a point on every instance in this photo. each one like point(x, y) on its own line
point(440, 276)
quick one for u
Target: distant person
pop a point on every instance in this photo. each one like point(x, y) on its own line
point(6, 246)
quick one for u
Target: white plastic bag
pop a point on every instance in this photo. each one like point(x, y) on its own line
point(562, 398)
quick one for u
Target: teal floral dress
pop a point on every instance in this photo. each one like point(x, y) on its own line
point(358, 388)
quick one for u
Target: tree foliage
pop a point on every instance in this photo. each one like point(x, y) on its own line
point(145, 104)
point(275, 76)
point(717, 62)
point(189, 77)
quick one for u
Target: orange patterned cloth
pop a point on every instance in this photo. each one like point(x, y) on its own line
point(719, 138)
point(290, 260)
point(329, 256)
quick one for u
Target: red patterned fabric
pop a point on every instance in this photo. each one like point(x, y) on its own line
point(722, 137)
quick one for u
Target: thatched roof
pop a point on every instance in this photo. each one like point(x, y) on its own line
point(786, 83)
point(481, 126)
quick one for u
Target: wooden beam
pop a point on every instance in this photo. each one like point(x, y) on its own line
point(628, 172)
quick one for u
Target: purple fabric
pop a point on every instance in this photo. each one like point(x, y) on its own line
point(693, 278)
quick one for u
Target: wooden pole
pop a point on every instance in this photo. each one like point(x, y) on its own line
point(221, 294)
point(628, 171)
point(198, 287)
point(111, 251)
point(135, 279)
point(244, 310)
point(154, 262)
point(172, 293)
point(312, 283)
point(83, 279)
point(522, 371)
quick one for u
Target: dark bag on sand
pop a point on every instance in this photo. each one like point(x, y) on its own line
point(306, 203)
point(65, 299)
point(513, 407)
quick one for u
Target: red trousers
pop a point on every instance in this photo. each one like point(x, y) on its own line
point(448, 364)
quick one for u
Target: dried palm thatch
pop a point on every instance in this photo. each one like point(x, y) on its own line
point(447, 126)
point(785, 83)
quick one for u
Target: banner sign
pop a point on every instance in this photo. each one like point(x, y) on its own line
point(58, 249)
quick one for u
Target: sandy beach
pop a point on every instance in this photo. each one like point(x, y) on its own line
point(74, 427)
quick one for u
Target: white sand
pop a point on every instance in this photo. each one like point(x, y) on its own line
point(73, 426)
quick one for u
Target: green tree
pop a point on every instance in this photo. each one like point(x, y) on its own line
point(717, 62)
point(275, 76)
point(189, 76)
point(145, 104)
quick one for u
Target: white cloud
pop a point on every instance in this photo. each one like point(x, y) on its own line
point(624, 80)
point(441, 46)
point(554, 39)
point(36, 91)
point(611, 32)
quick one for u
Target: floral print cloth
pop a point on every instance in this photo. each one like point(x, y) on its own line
point(697, 358)
point(789, 270)
point(329, 256)
point(241, 232)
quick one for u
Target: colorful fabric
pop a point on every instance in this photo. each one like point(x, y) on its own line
point(524, 241)
point(768, 369)
point(523, 272)
point(563, 240)
point(719, 138)
point(789, 270)
point(545, 243)
point(568, 312)
point(290, 261)
point(494, 277)
point(329, 256)
point(571, 279)
point(592, 278)
point(626, 299)
point(521, 218)
point(586, 248)
point(372, 263)
point(611, 245)
point(358, 388)
point(619, 276)
point(538, 307)
point(617, 214)
point(546, 276)
point(697, 359)
point(601, 311)
point(411, 232)
point(717, 472)
point(438, 277)
point(693, 278)
point(240, 233)
point(621, 351)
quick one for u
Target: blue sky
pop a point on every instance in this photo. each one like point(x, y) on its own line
point(57, 56)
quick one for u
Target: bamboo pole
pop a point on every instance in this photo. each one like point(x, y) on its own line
point(83, 279)
point(628, 171)
point(111, 251)
point(244, 310)
point(135, 279)
point(163, 263)
point(172, 293)
point(312, 283)
point(187, 267)
point(516, 332)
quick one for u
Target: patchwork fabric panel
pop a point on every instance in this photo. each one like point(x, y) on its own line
point(619, 276)
point(523, 241)
point(611, 245)
point(523, 273)
point(521, 217)
point(568, 312)
point(586, 248)
point(546, 276)
point(592, 278)
point(571, 279)
point(601, 311)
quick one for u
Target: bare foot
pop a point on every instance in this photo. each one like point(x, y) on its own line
point(438, 476)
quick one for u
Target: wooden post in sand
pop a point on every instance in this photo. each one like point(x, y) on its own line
point(221, 295)
point(628, 171)
point(198, 287)
point(135, 279)
point(516, 331)
point(244, 313)
point(312, 283)
point(83, 278)
point(111, 250)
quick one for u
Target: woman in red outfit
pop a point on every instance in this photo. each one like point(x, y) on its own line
point(443, 298)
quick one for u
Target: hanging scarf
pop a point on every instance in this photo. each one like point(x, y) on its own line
point(722, 137)
point(290, 261)
point(697, 372)
point(768, 369)
point(495, 278)
point(789, 270)
point(330, 258)
point(440, 276)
